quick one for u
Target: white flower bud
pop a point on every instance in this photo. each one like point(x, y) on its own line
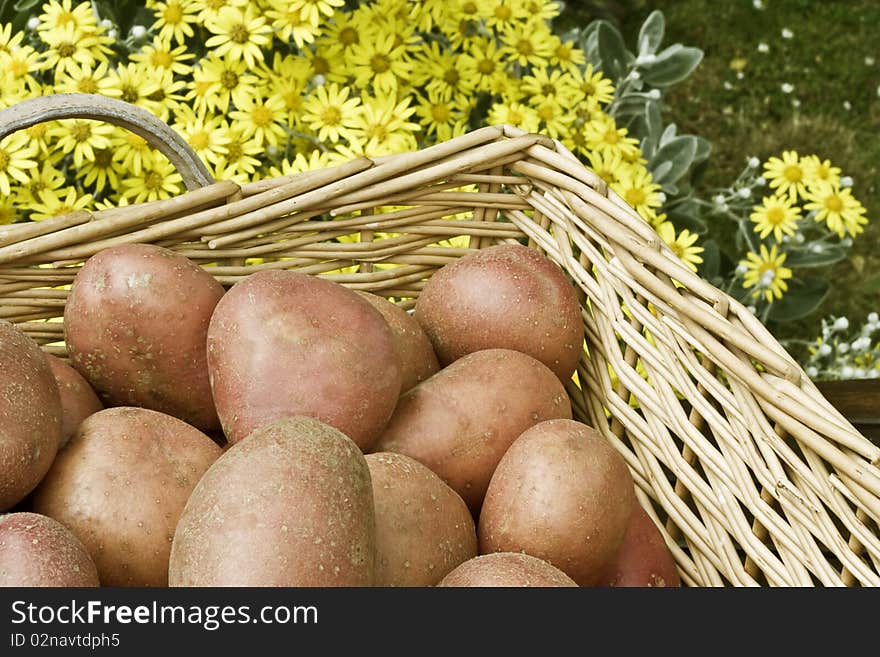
point(873, 374)
point(319, 80)
point(767, 278)
point(843, 348)
point(847, 105)
point(859, 373)
point(824, 349)
point(754, 162)
point(860, 344)
point(763, 47)
point(786, 33)
point(799, 238)
point(718, 199)
point(744, 192)
point(846, 372)
point(786, 87)
point(873, 318)
point(812, 372)
point(661, 197)
point(106, 23)
point(741, 269)
point(33, 23)
point(841, 324)
point(654, 94)
point(138, 31)
point(648, 58)
point(817, 248)
point(761, 181)
point(112, 33)
point(752, 309)
point(846, 181)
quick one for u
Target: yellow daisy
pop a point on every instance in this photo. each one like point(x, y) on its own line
point(262, 119)
point(596, 86)
point(603, 135)
point(331, 113)
point(102, 171)
point(217, 82)
point(203, 134)
point(777, 215)
point(682, 244)
point(63, 14)
point(52, 204)
point(290, 24)
point(157, 180)
point(529, 43)
point(174, 19)
point(162, 54)
point(442, 118)
point(640, 192)
point(552, 84)
point(69, 48)
point(239, 33)
point(81, 137)
point(382, 126)
point(313, 9)
point(380, 62)
point(788, 175)
point(820, 171)
point(84, 79)
point(837, 207)
point(15, 161)
point(766, 274)
point(44, 177)
point(316, 159)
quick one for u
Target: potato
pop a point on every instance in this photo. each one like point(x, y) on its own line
point(460, 422)
point(643, 559)
point(30, 415)
point(507, 569)
point(121, 484)
point(136, 324)
point(507, 296)
point(423, 527)
point(563, 494)
point(78, 400)
point(290, 506)
point(282, 343)
point(36, 550)
point(416, 355)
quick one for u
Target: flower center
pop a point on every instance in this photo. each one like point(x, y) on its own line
point(81, 132)
point(103, 158)
point(379, 63)
point(240, 34)
point(503, 12)
point(833, 203)
point(87, 86)
point(136, 141)
point(349, 36)
point(130, 93)
point(234, 151)
point(377, 132)
point(588, 88)
point(261, 115)
point(451, 77)
point(162, 58)
point(775, 215)
point(64, 208)
point(440, 113)
point(66, 49)
point(320, 65)
point(199, 140)
point(229, 79)
point(486, 66)
point(525, 47)
point(153, 180)
point(792, 173)
point(173, 14)
point(546, 111)
point(635, 197)
point(66, 17)
point(331, 115)
point(469, 8)
point(611, 136)
point(548, 89)
point(18, 67)
point(563, 53)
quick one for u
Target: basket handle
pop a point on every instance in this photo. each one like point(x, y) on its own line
point(158, 134)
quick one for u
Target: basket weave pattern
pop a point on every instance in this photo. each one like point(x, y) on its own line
point(751, 474)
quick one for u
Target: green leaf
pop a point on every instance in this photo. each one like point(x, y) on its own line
point(704, 149)
point(686, 214)
point(668, 134)
point(651, 33)
point(680, 153)
point(807, 257)
point(25, 5)
point(672, 65)
point(802, 298)
point(589, 42)
point(612, 52)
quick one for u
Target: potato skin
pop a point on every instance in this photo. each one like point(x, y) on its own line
point(416, 355)
point(36, 550)
point(290, 506)
point(78, 400)
point(282, 344)
point(507, 569)
point(460, 422)
point(30, 415)
point(563, 494)
point(423, 527)
point(643, 559)
point(136, 323)
point(507, 296)
point(120, 486)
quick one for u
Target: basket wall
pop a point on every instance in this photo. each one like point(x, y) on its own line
point(751, 474)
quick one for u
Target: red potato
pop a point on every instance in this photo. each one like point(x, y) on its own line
point(507, 569)
point(120, 486)
point(423, 528)
point(461, 421)
point(507, 296)
point(417, 358)
point(643, 559)
point(136, 324)
point(78, 400)
point(290, 506)
point(282, 343)
point(30, 415)
point(563, 494)
point(36, 550)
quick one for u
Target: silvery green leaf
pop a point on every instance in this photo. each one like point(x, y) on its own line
point(679, 153)
point(612, 51)
point(651, 33)
point(802, 298)
point(668, 134)
point(672, 65)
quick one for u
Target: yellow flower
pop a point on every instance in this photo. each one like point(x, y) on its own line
point(682, 245)
point(52, 204)
point(63, 14)
point(174, 19)
point(44, 177)
point(9, 41)
point(240, 161)
point(102, 171)
point(134, 83)
point(331, 113)
point(84, 79)
point(316, 159)
point(640, 192)
point(555, 120)
point(766, 274)
point(69, 47)
point(157, 180)
point(596, 86)
point(166, 99)
point(505, 14)
point(81, 137)
point(290, 24)
point(788, 175)
point(515, 114)
point(528, 43)
point(312, 9)
point(262, 119)
point(776, 215)
point(488, 69)
point(382, 126)
point(210, 9)
point(567, 57)
point(609, 166)
point(8, 212)
point(441, 117)
point(15, 161)
point(162, 54)
point(820, 171)
point(380, 62)
point(288, 79)
point(218, 81)
point(203, 134)
point(552, 84)
point(603, 135)
point(21, 63)
point(837, 207)
point(132, 152)
point(239, 33)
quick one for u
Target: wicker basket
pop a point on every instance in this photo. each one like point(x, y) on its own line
point(752, 475)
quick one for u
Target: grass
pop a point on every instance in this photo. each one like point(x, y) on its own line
point(825, 60)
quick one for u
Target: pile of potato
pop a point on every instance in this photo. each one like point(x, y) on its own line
point(293, 432)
